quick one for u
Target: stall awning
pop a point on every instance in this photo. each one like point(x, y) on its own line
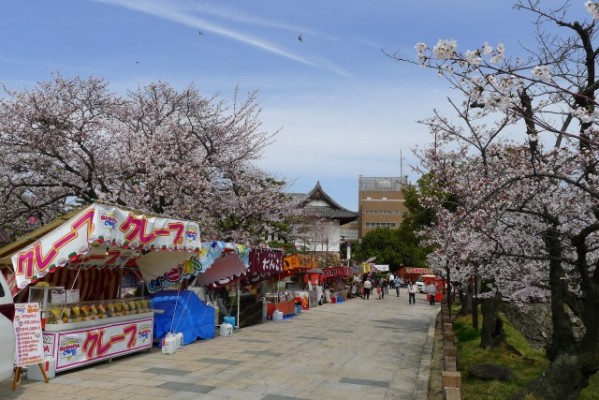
point(208, 258)
point(223, 271)
point(298, 262)
point(415, 271)
point(334, 272)
point(105, 236)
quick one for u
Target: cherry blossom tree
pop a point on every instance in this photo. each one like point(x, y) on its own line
point(526, 216)
point(157, 149)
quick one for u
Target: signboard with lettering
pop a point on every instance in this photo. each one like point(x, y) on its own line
point(75, 348)
point(28, 330)
point(120, 236)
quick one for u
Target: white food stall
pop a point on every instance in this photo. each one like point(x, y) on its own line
point(74, 271)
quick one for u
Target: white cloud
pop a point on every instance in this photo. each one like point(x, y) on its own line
point(172, 11)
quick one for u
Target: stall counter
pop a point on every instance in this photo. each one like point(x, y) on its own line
point(76, 344)
point(286, 307)
point(77, 334)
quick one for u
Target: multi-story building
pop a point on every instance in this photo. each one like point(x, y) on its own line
point(381, 203)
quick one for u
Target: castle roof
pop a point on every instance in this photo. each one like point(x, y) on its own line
point(317, 203)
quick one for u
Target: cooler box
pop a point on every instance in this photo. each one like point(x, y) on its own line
point(34, 373)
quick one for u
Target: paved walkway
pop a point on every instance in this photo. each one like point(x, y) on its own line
point(357, 349)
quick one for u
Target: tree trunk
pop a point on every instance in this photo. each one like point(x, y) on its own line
point(465, 300)
point(492, 333)
point(562, 340)
point(572, 362)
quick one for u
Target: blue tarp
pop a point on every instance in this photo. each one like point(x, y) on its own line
point(183, 312)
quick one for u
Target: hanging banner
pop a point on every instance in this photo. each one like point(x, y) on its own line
point(298, 262)
point(264, 263)
point(337, 272)
point(90, 238)
point(28, 331)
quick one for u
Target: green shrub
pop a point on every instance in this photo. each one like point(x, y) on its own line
point(466, 333)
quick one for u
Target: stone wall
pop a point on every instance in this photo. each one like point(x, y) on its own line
point(534, 323)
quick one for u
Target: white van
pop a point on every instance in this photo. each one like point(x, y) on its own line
point(7, 331)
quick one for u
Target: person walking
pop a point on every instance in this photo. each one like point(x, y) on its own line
point(358, 285)
point(431, 290)
point(379, 291)
point(411, 293)
point(367, 288)
point(397, 283)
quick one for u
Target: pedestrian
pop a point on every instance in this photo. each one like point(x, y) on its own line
point(384, 286)
point(358, 285)
point(367, 287)
point(379, 291)
point(411, 293)
point(397, 283)
point(431, 290)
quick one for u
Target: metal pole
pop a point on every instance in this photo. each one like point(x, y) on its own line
point(237, 319)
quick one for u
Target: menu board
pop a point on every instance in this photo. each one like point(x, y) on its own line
point(57, 296)
point(28, 330)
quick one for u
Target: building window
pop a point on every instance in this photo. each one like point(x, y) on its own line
point(380, 225)
point(384, 212)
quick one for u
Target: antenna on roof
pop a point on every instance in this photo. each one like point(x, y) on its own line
point(401, 162)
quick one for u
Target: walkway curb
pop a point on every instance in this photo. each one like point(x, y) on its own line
point(424, 372)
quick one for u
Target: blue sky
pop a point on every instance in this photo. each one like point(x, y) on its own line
point(343, 108)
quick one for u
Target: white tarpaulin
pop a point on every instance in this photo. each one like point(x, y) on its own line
point(381, 267)
point(107, 236)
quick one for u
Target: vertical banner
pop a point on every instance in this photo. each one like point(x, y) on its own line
point(348, 251)
point(28, 330)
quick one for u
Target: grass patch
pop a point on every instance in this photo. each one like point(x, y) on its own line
point(524, 368)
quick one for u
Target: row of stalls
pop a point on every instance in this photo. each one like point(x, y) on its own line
point(112, 281)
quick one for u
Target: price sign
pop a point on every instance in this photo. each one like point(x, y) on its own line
point(28, 330)
point(72, 296)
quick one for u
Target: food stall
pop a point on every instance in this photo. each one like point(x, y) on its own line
point(284, 290)
point(412, 274)
point(439, 283)
point(216, 265)
point(86, 318)
point(266, 266)
point(337, 282)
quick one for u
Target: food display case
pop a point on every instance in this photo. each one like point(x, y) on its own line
point(46, 295)
point(76, 334)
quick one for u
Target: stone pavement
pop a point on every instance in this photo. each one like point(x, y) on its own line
point(357, 349)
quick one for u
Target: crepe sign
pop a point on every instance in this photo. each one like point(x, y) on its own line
point(102, 235)
point(79, 347)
